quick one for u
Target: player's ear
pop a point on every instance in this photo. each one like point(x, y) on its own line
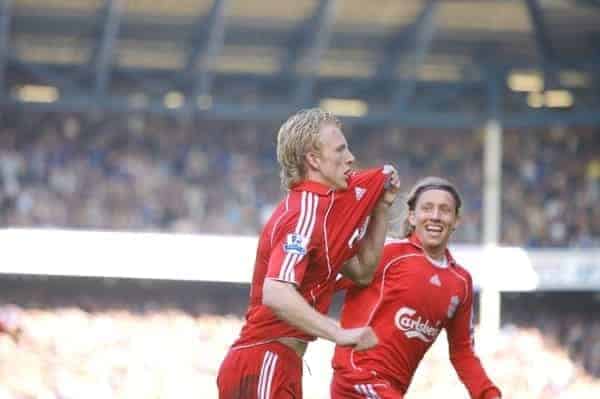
point(412, 218)
point(456, 222)
point(312, 159)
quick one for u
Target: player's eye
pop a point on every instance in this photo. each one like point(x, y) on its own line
point(427, 207)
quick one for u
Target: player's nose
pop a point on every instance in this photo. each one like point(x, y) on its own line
point(436, 215)
point(350, 159)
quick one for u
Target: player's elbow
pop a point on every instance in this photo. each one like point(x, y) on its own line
point(367, 269)
point(359, 271)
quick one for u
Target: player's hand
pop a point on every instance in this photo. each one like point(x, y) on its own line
point(368, 339)
point(361, 338)
point(392, 187)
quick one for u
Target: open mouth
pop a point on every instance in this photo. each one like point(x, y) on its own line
point(434, 230)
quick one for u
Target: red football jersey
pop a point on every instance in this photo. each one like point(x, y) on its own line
point(313, 231)
point(408, 303)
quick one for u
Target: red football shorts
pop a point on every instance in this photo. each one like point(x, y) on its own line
point(265, 371)
point(362, 386)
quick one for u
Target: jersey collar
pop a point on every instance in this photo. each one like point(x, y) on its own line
point(414, 240)
point(313, 187)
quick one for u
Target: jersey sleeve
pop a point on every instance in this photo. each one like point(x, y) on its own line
point(292, 242)
point(462, 351)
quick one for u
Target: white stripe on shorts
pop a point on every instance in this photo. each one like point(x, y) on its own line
point(267, 372)
point(367, 390)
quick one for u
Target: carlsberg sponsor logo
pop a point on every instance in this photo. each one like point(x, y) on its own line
point(415, 327)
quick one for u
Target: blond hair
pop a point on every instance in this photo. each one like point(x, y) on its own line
point(428, 183)
point(296, 137)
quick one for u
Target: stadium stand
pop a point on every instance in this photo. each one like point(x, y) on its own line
point(154, 115)
point(130, 339)
point(145, 172)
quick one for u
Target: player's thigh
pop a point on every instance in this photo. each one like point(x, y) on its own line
point(235, 380)
point(280, 377)
point(269, 371)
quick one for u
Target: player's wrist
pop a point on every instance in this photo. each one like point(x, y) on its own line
point(337, 336)
point(388, 203)
point(385, 204)
point(333, 331)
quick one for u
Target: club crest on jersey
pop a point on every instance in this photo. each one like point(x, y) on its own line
point(454, 301)
point(295, 244)
point(415, 327)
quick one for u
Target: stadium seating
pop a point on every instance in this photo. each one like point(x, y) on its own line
point(144, 173)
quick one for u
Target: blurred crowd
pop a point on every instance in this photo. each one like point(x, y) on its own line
point(569, 320)
point(147, 172)
point(68, 353)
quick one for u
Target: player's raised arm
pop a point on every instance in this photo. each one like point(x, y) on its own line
point(361, 268)
point(371, 247)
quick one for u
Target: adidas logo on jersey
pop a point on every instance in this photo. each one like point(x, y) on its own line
point(435, 280)
point(359, 192)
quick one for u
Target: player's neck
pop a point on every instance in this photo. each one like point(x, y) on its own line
point(318, 178)
point(438, 254)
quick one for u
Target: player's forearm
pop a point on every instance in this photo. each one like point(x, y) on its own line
point(371, 247)
point(473, 376)
point(283, 299)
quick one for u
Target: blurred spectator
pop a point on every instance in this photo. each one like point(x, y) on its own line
point(148, 172)
point(70, 353)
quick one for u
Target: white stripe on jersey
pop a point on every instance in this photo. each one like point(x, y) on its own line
point(290, 258)
point(267, 372)
point(325, 236)
point(311, 201)
point(306, 222)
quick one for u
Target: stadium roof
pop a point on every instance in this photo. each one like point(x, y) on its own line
point(419, 62)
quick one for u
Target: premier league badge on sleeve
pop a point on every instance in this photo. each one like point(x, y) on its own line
point(295, 244)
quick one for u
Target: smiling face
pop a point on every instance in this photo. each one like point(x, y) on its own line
point(434, 218)
point(332, 162)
